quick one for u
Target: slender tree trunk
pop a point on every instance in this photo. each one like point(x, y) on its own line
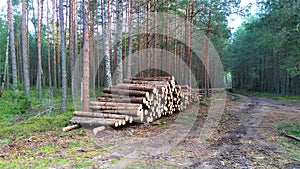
point(49, 48)
point(5, 65)
point(63, 56)
point(24, 52)
point(12, 47)
point(91, 50)
point(86, 66)
point(139, 40)
point(58, 50)
point(106, 47)
point(129, 40)
point(109, 31)
point(39, 70)
point(54, 47)
point(75, 41)
point(148, 37)
point(119, 53)
point(154, 36)
point(207, 54)
point(187, 12)
point(71, 45)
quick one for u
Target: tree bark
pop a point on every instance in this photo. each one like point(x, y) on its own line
point(12, 48)
point(63, 56)
point(71, 44)
point(92, 6)
point(54, 47)
point(119, 51)
point(25, 52)
point(108, 79)
point(39, 69)
point(86, 61)
point(129, 40)
point(49, 48)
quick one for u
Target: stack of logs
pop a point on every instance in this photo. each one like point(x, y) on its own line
point(140, 100)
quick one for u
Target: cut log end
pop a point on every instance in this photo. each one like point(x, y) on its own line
point(69, 128)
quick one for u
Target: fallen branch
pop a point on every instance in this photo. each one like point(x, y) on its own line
point(292, 136)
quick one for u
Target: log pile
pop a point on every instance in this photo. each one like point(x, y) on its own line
point(140, 100)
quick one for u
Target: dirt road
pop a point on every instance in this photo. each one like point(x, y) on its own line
point(247, 135)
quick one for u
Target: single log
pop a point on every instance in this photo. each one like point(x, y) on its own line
point(147, 88)
point(69, 128)
point(140, 100)
point(96, 121)
point(135, 81)
point(113, 104)
point(114, 108)
point(125, 92)
point(132, 113)
point(101, 115)
point(166, 78)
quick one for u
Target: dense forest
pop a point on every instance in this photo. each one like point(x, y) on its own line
point(61, 45)
point(264, 54)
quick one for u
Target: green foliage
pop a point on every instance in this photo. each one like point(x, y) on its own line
point(264, 53)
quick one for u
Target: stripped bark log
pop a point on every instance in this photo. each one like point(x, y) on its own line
point(111, 90)
point(113, 104)
point(98, 121)
point(103, 115)
point(69, 128)
point(140, 100)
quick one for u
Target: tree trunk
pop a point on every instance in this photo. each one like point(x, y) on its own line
point(39, 69)
point(63, 56)
point(54, 47)
point(91, 50)
point(58, 50)
point(12, 48)
point(71, 44)
point(108, 81)
point(119, 52)
point(206, 84)
point(49, 48)
point(4, 79)
point(24, 52)
point(86, 61)
point(129, 40)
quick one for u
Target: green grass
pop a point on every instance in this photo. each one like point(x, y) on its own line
point(292, 128)
point(205, 102)
point(270, 95)
point(292, 146)
point(48, 150)
point(17, 121)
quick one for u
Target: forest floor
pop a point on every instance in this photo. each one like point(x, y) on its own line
point(248, 133)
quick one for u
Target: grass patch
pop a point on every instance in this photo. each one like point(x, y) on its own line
point(292, 146)
point(292, 128)
point(274, 96)
point(205, 102)
point(17, 121)
point(48, 150)
point(36, 124)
